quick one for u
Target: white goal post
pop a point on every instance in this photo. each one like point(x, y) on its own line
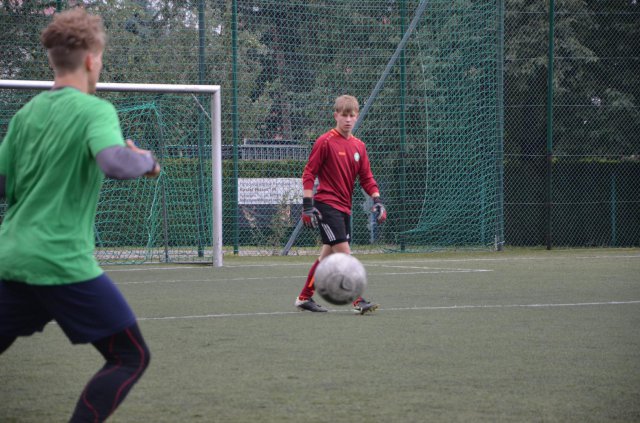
point(216, 136)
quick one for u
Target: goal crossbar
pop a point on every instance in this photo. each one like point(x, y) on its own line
point(216, 136)
point(111, 86)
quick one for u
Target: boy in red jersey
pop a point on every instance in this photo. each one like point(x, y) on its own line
point(337, 159)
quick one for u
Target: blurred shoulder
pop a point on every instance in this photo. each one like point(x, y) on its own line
point(325, 138)
point(93, 105)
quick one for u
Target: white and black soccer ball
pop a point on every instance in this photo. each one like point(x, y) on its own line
point(340, 278)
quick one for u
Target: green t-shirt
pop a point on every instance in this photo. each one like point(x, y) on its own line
point(52, 186)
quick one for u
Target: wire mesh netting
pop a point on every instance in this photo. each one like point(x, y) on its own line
point(164, 219)
point(456, 166)
point(572, 169)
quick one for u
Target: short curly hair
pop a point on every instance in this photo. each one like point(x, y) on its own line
point(70, 36)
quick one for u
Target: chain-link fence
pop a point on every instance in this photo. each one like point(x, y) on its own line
point(572, 169)
point(455, 115)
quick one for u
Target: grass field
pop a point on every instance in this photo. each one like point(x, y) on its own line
point(517, 336)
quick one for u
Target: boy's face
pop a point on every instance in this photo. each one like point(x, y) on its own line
point(345, 121)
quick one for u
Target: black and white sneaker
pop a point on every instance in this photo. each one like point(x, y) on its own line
point(363, 307)
point(309, 305)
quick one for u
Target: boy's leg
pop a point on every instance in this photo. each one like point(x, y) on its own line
point(20, 312)
point(127, 357)
point(308, 290)
point(335, 233)
point(305, 302)
point(362, 306)
point(96, 312)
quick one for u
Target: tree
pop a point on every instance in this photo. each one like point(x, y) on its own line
point(595, 69)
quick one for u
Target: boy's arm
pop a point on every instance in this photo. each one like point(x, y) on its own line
point(367, 181)
point(310, 215)
point(117, 159)
point(370, 185)
point(312, 167)
point(127, 162)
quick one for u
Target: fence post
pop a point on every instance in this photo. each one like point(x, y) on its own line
point(403, 130)
point(613, 210)
point(202, 208)
point(235, 126)
point(549, 186)
point(499, 230)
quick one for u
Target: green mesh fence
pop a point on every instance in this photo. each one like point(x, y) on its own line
point(455, 142)
point(588, 194)
point(456, 168)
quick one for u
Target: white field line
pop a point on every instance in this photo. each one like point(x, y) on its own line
point(127, 268)
point(263, 278)
point(433, 269)
point(426, 308)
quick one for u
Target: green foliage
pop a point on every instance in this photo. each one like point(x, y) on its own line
point(595, 96)
point(433, 132)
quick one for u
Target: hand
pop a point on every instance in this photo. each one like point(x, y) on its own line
point(310, 215)
point(155, 171)
point(156, 167)
point(378, 210)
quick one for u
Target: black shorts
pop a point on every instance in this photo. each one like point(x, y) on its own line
point(86, 311)
point(335, 226)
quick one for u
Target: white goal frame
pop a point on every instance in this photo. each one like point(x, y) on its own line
point(216, 136)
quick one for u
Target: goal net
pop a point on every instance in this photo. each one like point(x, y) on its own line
point(176, 217)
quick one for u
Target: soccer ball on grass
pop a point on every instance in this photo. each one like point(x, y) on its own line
point(340, 278)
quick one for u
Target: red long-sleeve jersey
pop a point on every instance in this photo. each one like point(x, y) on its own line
point(337, 162)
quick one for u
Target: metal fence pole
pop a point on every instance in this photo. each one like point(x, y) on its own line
point(235, 125)
point(549, 175)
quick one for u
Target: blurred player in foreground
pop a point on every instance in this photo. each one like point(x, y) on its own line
point(337, 159)
point(53, 159)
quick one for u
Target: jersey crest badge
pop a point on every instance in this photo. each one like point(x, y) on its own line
point(356, 156)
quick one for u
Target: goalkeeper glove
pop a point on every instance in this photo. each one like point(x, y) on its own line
point(310, 215)
point(378, 210)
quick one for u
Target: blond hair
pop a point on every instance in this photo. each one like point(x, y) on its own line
point(70, 36)
point(346, 104)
